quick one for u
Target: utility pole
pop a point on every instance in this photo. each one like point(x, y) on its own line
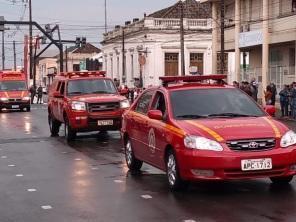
point(31, 38)
point(3, 51)
point(182, 39)
point(106, 16)
point(66, 58)
point(123, 57)
point(14, 55)
point(222, 59)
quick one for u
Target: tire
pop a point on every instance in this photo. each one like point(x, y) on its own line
point(70, 134)
point(28, 109)
point(175, 182)
point(54, 126)
point(281, 180)
point(131, 161)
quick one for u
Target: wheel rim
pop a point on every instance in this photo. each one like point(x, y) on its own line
point(128, 153)
point(171, 167)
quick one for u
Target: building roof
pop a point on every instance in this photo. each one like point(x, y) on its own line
point(87, 49)
point(192, 10)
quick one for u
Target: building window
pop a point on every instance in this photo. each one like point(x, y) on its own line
point(171, 64)
point(196, 63)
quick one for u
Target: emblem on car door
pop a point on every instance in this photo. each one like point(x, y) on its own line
point(151, 140)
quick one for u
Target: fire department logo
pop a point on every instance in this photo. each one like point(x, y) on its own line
point(151, 140)
point(253, 145)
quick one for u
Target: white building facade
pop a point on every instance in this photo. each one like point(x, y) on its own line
point(152, 47)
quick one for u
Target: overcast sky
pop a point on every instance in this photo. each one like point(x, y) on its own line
point(76, 17)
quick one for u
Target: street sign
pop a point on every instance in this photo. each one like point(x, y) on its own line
point(82, 65)
point(1, 26)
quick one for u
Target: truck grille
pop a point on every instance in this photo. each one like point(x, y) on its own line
point(14, 100)
point(251, 144)
point(99, 107)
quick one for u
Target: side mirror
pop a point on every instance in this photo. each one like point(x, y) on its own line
point(155, 114)
point(270, 110)
point(58, 95)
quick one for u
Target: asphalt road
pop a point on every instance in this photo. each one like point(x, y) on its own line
point(44, 179)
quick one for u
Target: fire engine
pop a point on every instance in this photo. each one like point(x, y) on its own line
point(14, 94)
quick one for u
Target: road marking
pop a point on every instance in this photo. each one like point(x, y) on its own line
point(31, 190)
point(118, 181)
point(190, 220)
point(146, 196)
point(4, 157)
point(78, 159)
point(95, 168)
point(11, 165)
point(46, 207)
point(19, 175)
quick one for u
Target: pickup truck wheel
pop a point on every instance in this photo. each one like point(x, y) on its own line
point(70, 134)
point(54, 126)
point(173, 176)
point(281, 180)
point(132, 162)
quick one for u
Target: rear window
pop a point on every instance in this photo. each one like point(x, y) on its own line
point(13, 86)
point(204, 103)
point(91, 86)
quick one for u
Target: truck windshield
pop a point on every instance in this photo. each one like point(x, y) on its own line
point(13, 86)
point(91, 86)
point(213, 103)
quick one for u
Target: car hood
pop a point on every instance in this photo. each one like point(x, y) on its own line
point(13, 94)
point(226, 129)
point(97, 98)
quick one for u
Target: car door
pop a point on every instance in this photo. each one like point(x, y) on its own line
point(139, 126)
point(60, 102)
point(56, 88)
point(156, 136)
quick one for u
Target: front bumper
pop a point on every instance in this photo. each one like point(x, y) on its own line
point(15, 105)
point(89, 122)
point(226, 165)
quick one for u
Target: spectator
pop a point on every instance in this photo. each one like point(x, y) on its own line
point(39, 94)
point(235, 84)
point(274, 92)
point(268, 95)
point(33, 93)
point(254, 89)
point(245, 86)
point(284, 100)
point(293, 101)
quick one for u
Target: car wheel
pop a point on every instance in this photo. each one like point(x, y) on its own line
point(54, 126)
point(70, 134)
point(173, 176)
point(28, 109)
point(281, 180)
point(132, 162)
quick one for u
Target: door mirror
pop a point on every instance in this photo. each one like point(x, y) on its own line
point(58, 95)
point(155, 114)
point(270, 110)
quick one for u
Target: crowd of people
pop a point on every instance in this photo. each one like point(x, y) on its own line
point(288, 100)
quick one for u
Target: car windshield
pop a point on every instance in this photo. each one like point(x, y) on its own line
point(91, 86)
point(13, 86)
point(213, 103)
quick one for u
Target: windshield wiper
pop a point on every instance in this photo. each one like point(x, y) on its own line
point(103, 92)
point(231, 115)
point(75, 93)
point(191, 116)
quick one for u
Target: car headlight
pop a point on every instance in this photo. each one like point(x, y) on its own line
point(124, 104)
point(288, 139)
point(78, 106)
point(26, 98)
point(3, 99)
point(202, 143)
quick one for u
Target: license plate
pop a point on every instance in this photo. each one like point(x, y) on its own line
point(15, 106)
point(105, 123)
point(256, 164)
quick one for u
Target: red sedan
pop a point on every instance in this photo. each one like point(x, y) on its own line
point(199, 128)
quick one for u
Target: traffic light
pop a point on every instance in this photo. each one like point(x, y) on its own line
point(78, 41)
point(83, 41)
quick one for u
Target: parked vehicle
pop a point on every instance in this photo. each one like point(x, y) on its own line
point(14, 94)
point(84, 102)
point(199, 128)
